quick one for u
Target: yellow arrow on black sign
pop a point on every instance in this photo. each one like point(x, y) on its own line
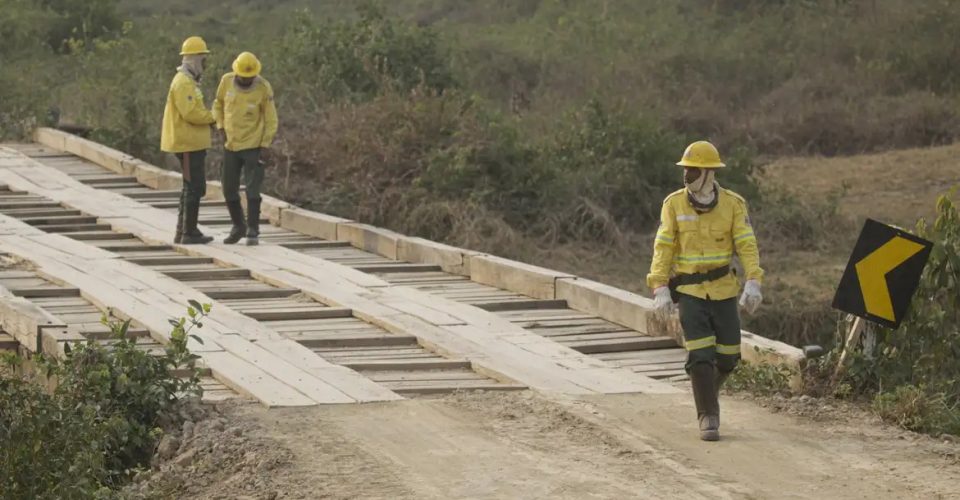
point(883, 274)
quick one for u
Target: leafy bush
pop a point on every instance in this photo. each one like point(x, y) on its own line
point(762, 378)
point(80, 20)
point(101, 421)
point(361, 59)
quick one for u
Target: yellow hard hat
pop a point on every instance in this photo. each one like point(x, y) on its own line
point(246, 65)
point(701, 154)
point(193, 46)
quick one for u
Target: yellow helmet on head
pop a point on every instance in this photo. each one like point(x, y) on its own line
point(246, 65)
point(701, 154)
point(194, 46)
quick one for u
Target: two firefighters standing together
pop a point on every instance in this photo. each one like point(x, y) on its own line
point(246, 117)
point(702, 226)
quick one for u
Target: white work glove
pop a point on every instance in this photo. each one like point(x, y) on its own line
point(662, 303)
point(751, 298)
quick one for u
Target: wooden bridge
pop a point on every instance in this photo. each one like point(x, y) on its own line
point(325, 310)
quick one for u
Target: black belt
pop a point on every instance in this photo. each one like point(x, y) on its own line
point(695, 279)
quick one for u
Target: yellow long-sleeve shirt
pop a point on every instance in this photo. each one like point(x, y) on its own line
point(248, 115)
point(186, 121)
point(688, 242)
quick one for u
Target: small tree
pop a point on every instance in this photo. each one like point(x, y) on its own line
point(103, 419)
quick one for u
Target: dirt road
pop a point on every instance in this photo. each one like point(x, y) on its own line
point(520, 445)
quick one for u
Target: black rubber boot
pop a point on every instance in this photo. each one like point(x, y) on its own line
point(253, 222)
point(236, 216)
point(703, 379)
point(178, 236)
point(192, 235)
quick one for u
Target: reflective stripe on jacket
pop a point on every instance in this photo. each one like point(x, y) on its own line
point(688, 242)
point(186, 122)
point(249, 116)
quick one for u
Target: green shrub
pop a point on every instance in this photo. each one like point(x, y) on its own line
point(80, 20)
point(924, 350)
point(361, 59)
point(919, 409)
point(762, 378)
point(103, 419)
point(912, 372)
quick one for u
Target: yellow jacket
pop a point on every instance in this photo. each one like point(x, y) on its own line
point(688, 242)
point(186, 122)
point(248, 115)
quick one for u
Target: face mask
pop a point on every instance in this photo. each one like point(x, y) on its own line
point(702, 190)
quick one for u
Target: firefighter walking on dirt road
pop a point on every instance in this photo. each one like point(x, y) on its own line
point(247, 117)
point(702, 226)
point(186, 134)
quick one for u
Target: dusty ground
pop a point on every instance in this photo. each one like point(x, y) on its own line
point(520, 445)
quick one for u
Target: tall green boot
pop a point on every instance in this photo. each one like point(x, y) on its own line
point(236, 216)
point(178, 236)
point(253, 222)
point(703, 379)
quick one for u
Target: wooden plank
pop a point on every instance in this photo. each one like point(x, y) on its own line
point(522, 305)
point(50, 291)
point(250, 380)
point(344, 359)
point(400, 267)
point(387, 339)
point(426, 376)
point(578, 330)
point(433, 364)
point(533, 281)
point(59, 220)
point(645, 356)
point(25, 321)
point(408, 389)
point(89, 317)
point(658, 374)
point(325, 324)
point(300, 245)
point(22, 213)
point(168, 260)
point(303, 381)
point(8, 343)
point(74, 228)
point(374, 350)
point(351, 383)
point(101, 235)
point(637, 343)
point(560, 323)
point(150, 195)
point(652, 367)
point(247, 294)
point(207, 274)
point(283, 314)
point(4, 205)
point(132, 246)
point(106, 333)
point(100, 180)
point(572, 334)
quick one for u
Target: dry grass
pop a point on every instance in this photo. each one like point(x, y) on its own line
point(896, 187)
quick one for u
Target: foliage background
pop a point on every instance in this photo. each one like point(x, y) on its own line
point(542, 130)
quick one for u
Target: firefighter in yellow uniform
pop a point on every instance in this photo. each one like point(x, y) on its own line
point(186, 134)
point(702, 226)
point(246, 114)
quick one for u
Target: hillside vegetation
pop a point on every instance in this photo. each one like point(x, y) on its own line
point(544, 130)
